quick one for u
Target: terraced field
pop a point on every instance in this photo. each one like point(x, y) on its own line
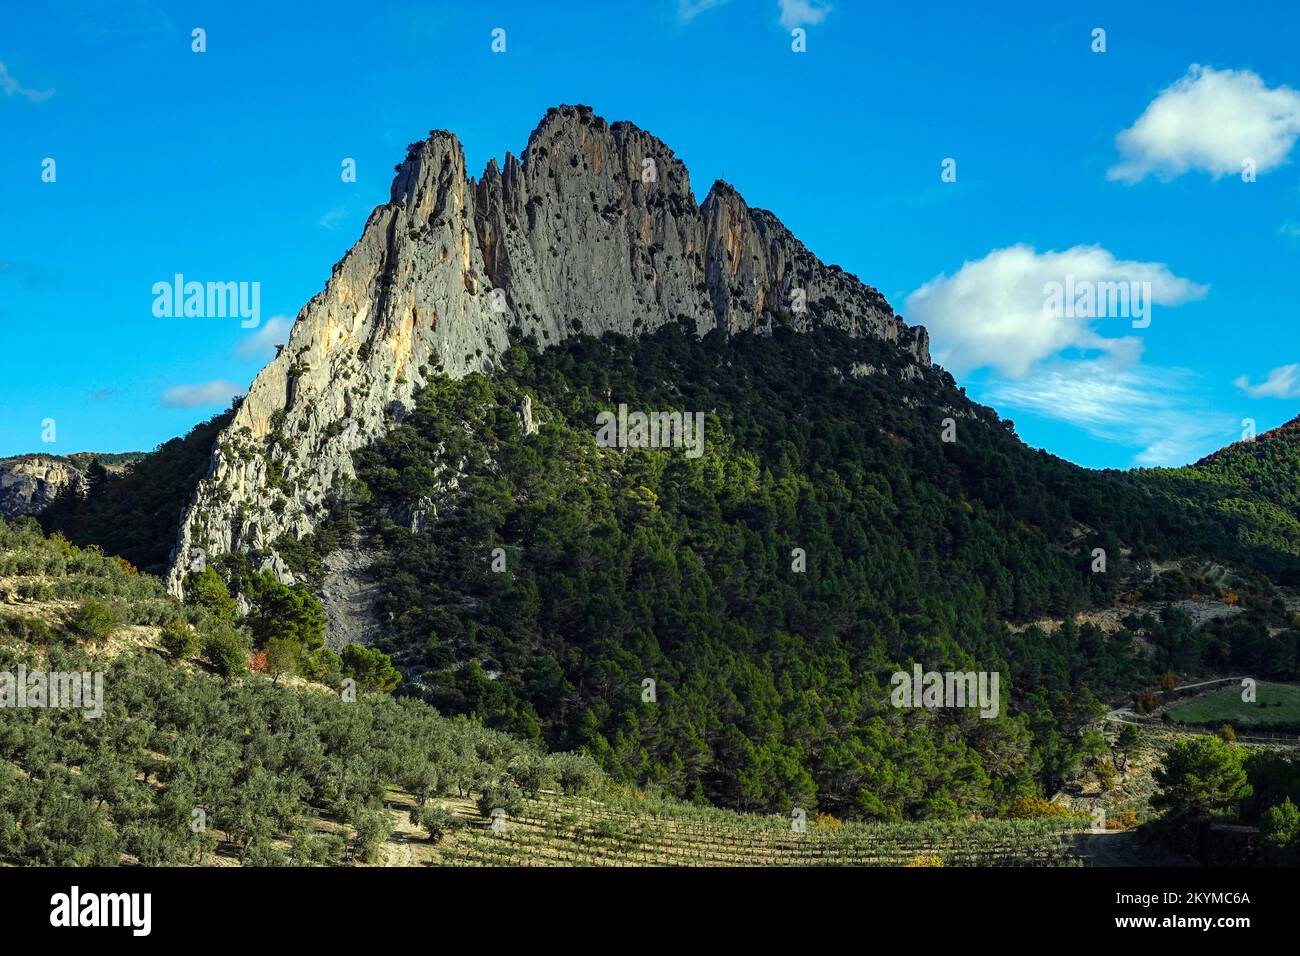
point(570, 832)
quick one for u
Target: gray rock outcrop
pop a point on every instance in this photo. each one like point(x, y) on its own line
point(30, 483)
point(595, 228)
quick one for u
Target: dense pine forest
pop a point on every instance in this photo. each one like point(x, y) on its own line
point(827, 537)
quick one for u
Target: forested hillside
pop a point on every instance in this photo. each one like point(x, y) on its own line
point(134, 514)
point(827, 537)
point(193, 752)
point(1252, 487)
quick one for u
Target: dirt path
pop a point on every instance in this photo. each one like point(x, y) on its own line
point(1118, 713)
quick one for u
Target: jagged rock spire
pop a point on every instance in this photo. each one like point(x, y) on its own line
point(594, 229)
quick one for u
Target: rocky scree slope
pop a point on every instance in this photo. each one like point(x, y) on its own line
point(595, 228)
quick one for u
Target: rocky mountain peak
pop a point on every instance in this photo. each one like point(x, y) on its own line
point(595, 229)
point(431, 165)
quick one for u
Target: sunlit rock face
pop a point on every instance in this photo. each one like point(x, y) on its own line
point(595, 228)
point(28, 484)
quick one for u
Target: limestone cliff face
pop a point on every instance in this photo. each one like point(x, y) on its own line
point(595, 229)
point(28, 484)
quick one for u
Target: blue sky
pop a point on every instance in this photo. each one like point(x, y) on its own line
point(1122, 165)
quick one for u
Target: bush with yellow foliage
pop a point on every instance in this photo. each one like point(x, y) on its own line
point(1027, 806)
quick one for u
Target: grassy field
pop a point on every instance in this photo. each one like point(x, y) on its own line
point(1275, 705)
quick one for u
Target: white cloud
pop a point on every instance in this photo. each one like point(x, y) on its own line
point(1282, 382)
point(218, 392)
point(10, 85)
point(688, 10)
point(991, 312)
point(261, 344)
point(802, 13)
point(1077, 369)
point(1113, 400)
point(1210, 120)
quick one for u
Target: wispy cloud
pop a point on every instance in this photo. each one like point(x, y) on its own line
point(688, 10)
point(334, 217)
point(1154, 410)
point(793, 13)
point(9, 83)
point(218, 392)
point(261, 344)
point(1281, 382)
point(1210, 120)
point(802, 13)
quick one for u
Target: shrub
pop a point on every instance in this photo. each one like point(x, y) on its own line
point(1028, 805)
point(226, 650)
point(95, 621)
point(372, 828)
point(307, 849)
point(30, 629)
point(180, 640)
point(262, 852)
point(1122, 820)
point(205, 589)
point(1280, 826)
point(825, 823)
